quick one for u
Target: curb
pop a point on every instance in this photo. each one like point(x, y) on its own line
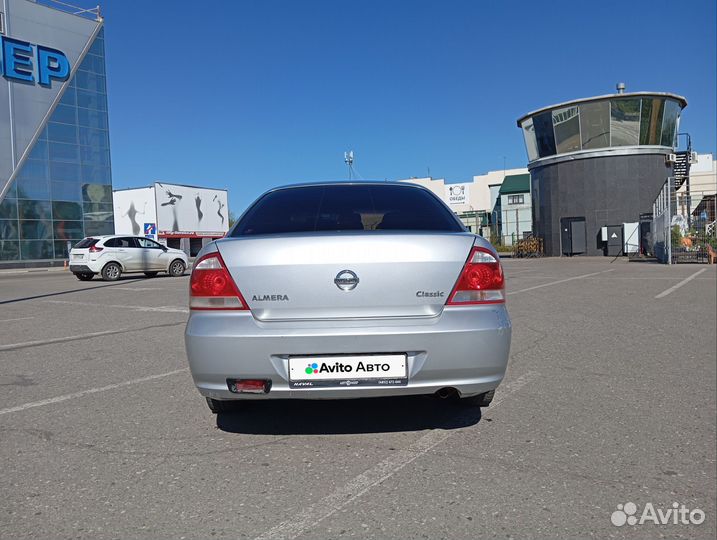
point(32, 270)
point(13, 271)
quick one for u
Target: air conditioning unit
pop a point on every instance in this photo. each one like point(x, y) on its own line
point(670, 158)
point(693, 158)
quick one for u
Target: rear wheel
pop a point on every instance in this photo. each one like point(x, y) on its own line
point(481, 400)
point(177, 268)
point(151, 274)
point(220, 406)
point(111, 272)
point(85, 276)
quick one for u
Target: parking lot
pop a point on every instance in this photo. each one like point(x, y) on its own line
point(609, 399)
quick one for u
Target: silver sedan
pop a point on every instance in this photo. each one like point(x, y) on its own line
point(347, 290)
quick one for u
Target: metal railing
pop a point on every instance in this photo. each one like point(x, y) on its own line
point(683, 225)
point(92, 12)
point(662, 212)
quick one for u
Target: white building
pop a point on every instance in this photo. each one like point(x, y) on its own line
point(474, 201)
point(515, 210)
point(703, 175)
point(700, 201)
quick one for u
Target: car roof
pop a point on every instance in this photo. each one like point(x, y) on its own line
point(106, 236)
point(348, 183)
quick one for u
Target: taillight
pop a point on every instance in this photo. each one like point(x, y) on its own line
point(95, 249)
point(211, 286)
point(481, 280)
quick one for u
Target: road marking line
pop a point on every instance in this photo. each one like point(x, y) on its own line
point(57, 340)
point(309, 517)
point(83, 393)
point(160, 309)
point(137, 289)
point(89, 335)
point(645, 278)
point(560, 281)
point(680, 284)
point(510, 273)
point(18, 319)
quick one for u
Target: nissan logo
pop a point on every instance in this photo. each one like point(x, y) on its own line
point(346, 280)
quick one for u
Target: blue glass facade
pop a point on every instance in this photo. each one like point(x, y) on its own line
point(63, 191)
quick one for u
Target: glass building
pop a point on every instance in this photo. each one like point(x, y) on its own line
point(598, 162)
point(60, 187)
point(638, 120)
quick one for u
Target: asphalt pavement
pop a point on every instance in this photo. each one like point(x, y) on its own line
point(609, 399)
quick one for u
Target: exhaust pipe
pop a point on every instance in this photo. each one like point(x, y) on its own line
point(447, 392)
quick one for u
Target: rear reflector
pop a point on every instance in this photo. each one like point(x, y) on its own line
point(211, 286)
point(481, 281)
point(249, 386)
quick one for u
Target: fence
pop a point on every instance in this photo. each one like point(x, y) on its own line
point(507, 241)
point(528, 247)
point(662, 212)
point(684, 225)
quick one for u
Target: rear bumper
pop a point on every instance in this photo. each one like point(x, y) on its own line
point(465, 348)
point(81, 269)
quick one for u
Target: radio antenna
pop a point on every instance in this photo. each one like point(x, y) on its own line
point(349, 160)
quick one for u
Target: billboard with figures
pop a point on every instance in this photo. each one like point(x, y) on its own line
point(133, 208)
point(192, 211)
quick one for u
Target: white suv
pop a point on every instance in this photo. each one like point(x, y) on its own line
point(111, 256)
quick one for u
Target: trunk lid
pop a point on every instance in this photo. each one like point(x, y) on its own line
point(346, 275)
point(80, 252)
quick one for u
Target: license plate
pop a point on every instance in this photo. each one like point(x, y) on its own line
point(347, 371)
point(78, 256)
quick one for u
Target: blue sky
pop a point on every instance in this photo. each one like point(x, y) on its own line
point(246, 95)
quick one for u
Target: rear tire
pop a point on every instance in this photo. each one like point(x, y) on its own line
point(111, 272)
point(481, 400)
point(220, 406)
point(177, 268)
point(84, 276)
point(151, 274)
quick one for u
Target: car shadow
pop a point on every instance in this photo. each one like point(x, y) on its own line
point(336, 417)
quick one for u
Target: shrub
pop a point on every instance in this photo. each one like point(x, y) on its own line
point(676, 236)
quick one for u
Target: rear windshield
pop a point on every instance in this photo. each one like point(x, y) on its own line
point(86, 242)
point(347, 208)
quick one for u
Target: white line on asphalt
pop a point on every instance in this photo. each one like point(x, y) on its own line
point(646, 278)
point(510, 273)
point(612, 278)
point(83, 393)
point(136, 289)
point(560, 281)
point(61, 339)
point(161, 309)
point(309, 517)
point(18, 319)
point(24, 344)
point(680, 284)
